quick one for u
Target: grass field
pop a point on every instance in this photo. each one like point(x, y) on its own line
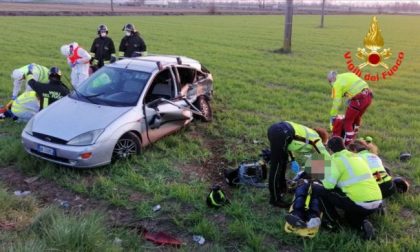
point(254, 88)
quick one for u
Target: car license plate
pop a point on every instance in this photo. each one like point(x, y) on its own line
point(46, 150)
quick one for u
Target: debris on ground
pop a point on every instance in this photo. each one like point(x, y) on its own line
point(156, 208)
point(199, 239)
point(64, 204)
point(7, 226)
point(22, 193)
point(31, 179)
point(161, 238)
point(405, 156)
point(117, 241)
point(257, 141)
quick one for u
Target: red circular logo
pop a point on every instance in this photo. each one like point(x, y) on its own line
point(374, 58)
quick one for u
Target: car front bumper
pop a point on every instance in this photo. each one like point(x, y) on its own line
point(68, 155)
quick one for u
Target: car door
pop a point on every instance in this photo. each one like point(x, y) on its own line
point(165, 112)
point(192, 82)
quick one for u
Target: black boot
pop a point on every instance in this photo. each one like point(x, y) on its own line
point(295, 221)
point(368, 230)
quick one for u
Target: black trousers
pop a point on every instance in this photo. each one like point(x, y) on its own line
point(280, 136)
point(298, 207)
point(330, 199)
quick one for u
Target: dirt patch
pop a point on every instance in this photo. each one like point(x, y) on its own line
point(406, 213)
point(50, 193)
point(212, 168)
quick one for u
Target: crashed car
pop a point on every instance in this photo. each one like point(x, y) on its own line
point(121, 108)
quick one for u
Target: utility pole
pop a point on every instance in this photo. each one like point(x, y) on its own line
point(112, 6)
point(288, 18)
point(322, 14)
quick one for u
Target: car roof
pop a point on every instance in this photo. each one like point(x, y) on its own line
point(150, 63)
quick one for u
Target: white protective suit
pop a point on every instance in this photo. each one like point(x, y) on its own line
point(78, 59)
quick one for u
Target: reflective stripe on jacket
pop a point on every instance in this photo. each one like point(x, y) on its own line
point(307, 140)
point(376, 167)
point(352, 175)
point(39, 72)
point(27, 101)
point(347, 85)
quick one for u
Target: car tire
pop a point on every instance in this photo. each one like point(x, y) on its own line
point(127, 146)
point(203, 105)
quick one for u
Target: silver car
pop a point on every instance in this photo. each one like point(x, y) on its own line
point(120, 109)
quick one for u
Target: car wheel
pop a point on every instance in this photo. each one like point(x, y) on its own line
point(127, 146)
point(203, 105)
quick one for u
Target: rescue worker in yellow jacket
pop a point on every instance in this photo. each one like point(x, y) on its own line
point(386, 182)
point(23, 107)
point(287, 137)
point(18, 75)
point(349, 185)
point(350, 87)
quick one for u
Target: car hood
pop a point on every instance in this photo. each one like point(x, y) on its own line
point(68, 118)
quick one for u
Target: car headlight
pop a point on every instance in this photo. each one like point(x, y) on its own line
point(87, 138)
point(28, 127)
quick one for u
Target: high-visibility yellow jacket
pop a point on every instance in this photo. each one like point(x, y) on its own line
point(345, 86)
point(376, 167)
point(352, 175)
point(307, 140)
point(39, 72)
point(26, 102)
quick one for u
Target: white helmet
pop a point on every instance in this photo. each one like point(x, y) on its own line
point(17, 74)
point(66, 50)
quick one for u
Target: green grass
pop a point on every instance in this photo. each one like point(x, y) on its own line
point(32, 228)
point(253, 89)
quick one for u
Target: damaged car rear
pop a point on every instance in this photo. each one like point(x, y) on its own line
point(120, 109)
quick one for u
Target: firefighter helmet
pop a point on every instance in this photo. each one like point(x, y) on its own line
point(102, 28)
point(54, 73)
point(217, 197)
point(129, 28)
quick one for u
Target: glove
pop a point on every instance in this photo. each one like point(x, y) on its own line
point(295, 166)
point(332, 119)
point(30, 68)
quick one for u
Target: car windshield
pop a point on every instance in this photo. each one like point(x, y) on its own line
point(113, 87)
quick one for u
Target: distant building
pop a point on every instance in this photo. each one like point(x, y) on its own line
point(156, 2)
